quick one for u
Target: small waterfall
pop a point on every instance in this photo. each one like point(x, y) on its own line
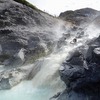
point(46, 82)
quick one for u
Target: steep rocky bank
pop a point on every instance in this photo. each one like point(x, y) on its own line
point(25, 36)
point(81, 69)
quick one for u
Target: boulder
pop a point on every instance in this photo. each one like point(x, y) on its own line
point(81, 73)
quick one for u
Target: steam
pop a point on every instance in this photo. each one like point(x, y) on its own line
point(92, 31)
point(47, 81)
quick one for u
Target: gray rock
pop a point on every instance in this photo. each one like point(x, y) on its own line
point(79, 16)
point(81, 73)
point(55, 96)
point(4, 84)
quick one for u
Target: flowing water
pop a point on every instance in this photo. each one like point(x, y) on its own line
point(47, 81)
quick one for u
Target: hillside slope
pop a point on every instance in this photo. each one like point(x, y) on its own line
point(25, 36)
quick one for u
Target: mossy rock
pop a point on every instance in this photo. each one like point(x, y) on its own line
point(4, 57)
point(37, 56)
point(31, 58)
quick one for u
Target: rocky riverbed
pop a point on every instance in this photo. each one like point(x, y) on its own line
point(70, 41)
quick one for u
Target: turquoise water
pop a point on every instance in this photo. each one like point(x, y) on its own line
point(25, 91)
point(43, 86)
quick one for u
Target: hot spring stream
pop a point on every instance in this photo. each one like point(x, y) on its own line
point(47, 81)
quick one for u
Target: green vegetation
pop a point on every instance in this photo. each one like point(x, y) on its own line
point(33, 57)
point(24, 2)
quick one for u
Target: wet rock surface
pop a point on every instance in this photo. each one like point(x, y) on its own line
point(81, 73)
point(25, 36)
